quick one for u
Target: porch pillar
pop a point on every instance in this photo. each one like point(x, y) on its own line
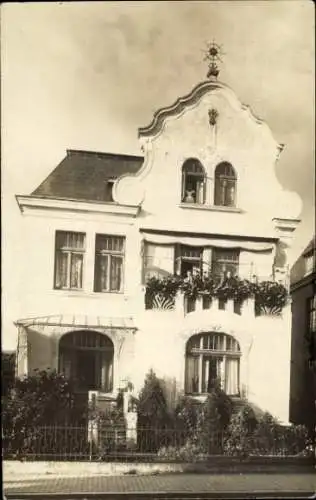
point(21, 367)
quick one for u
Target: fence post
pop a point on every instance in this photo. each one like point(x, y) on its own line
point(131, 430)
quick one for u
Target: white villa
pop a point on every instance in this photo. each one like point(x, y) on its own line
point(202, 199)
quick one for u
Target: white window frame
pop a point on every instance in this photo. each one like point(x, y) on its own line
point(199, 176)
point(110, 254)
point(201, 353)
point(69, 251)
point(221, 191)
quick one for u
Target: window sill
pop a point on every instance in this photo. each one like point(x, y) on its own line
point(85, 294)
point(212, 208)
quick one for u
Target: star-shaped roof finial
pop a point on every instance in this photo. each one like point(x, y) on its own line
point(213, 55)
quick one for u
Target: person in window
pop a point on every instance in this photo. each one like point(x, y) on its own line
point(193, 182)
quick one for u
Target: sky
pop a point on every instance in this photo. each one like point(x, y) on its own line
point(86, 75)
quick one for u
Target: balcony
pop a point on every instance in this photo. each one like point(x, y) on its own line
point(265, 296)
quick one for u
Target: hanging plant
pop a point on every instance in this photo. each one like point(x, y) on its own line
point(270, 297)
point(236, 289)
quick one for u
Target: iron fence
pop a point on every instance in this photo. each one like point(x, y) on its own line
point(118, 443)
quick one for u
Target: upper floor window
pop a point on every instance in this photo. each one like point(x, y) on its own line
point(309, 263)
point(69, 255)
point(109, 263)
point(225, 185)
point(312, 314)
point(312, 329)
point(225, 262)
point(188, 260)
point(193, 182)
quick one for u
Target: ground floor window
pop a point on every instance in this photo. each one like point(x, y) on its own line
point(211, 359)
point(87, 358)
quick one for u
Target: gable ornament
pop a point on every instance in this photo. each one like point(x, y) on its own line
point(212, 117)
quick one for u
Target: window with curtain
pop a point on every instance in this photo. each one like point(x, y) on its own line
point(212, 359)
point(225, 185)
point(193, 182)
point(87, 358)
point(109, 263)
point(225, 262)
point(69, 256)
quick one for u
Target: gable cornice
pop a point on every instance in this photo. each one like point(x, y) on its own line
point(192, 98)
point(27, 203)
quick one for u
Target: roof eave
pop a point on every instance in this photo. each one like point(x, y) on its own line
point(49, 203)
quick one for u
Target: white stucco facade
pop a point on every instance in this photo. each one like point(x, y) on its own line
point(148, 207)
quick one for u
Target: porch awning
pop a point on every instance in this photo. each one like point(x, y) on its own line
point(78, 320)
point(167, 239)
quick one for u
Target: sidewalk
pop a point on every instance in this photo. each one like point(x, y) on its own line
point(163, 483)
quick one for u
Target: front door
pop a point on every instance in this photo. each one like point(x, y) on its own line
point(86, 369)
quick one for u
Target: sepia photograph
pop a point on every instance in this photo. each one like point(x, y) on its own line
point(158, 249)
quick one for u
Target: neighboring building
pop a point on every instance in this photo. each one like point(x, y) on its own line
point(303, 352)
point(204, 197)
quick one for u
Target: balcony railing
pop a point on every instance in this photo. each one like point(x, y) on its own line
point(255, 297)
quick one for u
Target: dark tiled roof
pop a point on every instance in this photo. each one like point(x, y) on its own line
point(84, 175)
point(311, 246)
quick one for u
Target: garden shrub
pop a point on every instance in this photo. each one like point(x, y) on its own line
point(238, 440)
point(7, 373)
point(188, 452)
point(247, 435)
point(154, 421)
point(207, 435)
point(42, 399)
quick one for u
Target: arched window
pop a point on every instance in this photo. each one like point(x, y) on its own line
point(87, 358)
point(225, 185)
point(193, 182)
point(211, 359)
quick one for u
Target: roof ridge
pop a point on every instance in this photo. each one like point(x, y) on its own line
point(102, 153)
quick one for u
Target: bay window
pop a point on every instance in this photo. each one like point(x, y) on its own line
point(212, 359)
point(109, 263)
point(69, 256)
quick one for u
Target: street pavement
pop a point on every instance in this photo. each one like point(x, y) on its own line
point(162, 484)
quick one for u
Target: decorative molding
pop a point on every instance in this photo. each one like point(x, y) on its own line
point(212, 117)
point(161, 302)
point(289, 224)
point(29, 203)
point(192, 98)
